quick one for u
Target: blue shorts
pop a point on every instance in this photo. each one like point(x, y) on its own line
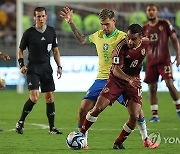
point(96, 88)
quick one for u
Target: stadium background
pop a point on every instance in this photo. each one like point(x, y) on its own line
point(36, 139)
point(16, 16)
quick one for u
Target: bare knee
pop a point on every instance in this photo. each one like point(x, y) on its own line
point(83, 111)
point(132, 121)
point(34, 99)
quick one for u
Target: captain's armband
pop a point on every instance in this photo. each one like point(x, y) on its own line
point(115, 60)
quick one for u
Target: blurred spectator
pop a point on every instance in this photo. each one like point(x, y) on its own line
point(9, 28)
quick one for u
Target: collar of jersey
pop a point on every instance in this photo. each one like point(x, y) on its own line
point(41, 31)
point(114, 33)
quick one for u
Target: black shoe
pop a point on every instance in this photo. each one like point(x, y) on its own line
point(118, 146)
point(55, 131)
point(20, 127)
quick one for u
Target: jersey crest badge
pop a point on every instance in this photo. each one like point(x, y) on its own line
point(105, 46)
point(160, 28)
point(143, 51)
point(105, 89)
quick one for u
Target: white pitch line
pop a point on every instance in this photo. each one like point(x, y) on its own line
point(44, 126)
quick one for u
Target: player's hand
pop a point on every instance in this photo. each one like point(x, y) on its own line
point(67, 14)
point(59, 72)
point(2, 84)
point(24, 70)
point(4, 56)
point(135, 82)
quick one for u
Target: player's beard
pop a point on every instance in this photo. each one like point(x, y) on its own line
point(152, 19)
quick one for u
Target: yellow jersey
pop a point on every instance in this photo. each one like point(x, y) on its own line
point(104, 47)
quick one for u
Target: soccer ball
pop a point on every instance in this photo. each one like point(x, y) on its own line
point(75, 140)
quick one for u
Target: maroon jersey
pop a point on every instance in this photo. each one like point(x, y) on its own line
point(159, 37)
point(131, 59)
point(131, 62)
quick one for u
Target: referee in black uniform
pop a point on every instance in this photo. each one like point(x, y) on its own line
point(40, 40)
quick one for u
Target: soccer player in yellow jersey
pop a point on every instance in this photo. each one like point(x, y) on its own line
point(105, 41)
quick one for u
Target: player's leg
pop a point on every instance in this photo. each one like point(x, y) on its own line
point(92, 115)
point(151, 78)
point(134, 110)
point(143, 131)
point(154, 102)
point(85, 107)
point(33, 86)
point(88, 103)
point(50, 112)
point(141, 122)
point(174, 94)
point(47, 87)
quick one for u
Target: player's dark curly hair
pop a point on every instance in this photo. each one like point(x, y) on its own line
point(152, 4)
point(39, 9)
point(106, 13)
point(135, 28)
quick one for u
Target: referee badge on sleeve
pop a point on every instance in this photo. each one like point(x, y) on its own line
point(116, 60)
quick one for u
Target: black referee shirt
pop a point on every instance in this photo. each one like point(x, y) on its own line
point(39, 44)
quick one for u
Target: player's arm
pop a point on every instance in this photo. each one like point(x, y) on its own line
point(4, 56)
point(56, 55)
point(67, 15)
point(175, 42)
point(133, 81)
point(21, 61)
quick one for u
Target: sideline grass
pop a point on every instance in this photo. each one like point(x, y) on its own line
point(36, 139)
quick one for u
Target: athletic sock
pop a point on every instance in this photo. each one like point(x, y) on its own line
point(85, 135)
point(26, 109)
point(142, 128)
point(50, 112)
point(154, 109)
point(87, 123)
point(177, 105)
point(124, 134)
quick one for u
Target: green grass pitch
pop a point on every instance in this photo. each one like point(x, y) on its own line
point(102, 134)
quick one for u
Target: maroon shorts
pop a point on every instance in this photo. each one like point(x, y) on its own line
point(153, 72)
point(113, 89)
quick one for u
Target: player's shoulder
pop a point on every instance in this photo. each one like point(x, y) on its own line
point(121, 32)
point(164, 21)
point(29, 31)
point(146, 24)
point(50, 28)
point(121, 44)
point(99, 33)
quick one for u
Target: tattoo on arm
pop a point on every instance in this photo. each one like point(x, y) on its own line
point(80, 37)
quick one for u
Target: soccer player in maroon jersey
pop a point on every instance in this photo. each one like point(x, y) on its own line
point(158, 58)
point(124, 79)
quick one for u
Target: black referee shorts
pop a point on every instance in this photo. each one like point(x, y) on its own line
point(40, 75)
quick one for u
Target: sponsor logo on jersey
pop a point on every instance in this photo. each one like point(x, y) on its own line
point(128, 56)
point(42, 39)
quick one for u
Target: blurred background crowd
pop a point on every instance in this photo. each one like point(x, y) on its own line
point(86, 19)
